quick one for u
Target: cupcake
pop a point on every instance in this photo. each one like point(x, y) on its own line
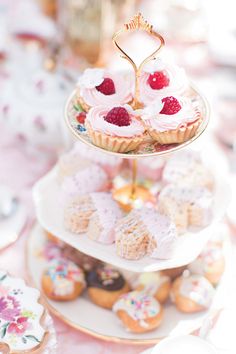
point(103, 220)
point(98, 87)
point(154, 284)
point(186, 206)
point(105, 285)
point(138, 312)
point(62, 280)
point(115, 129)
point(192, 293)
point(145, 231)
point(80, 211)
point(171, 120)
point(160, 79)
point(90, 179)
point(186, 167)
point(82, 155)
point(210, 263)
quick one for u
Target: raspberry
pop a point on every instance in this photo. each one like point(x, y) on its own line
point(107, 87)
point(81, 117)
point(158, 80)
point(118, 116)
point(171, 105)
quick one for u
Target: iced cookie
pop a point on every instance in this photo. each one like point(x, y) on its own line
point(105, 285)
point(192, 293)
point(62, 280)
point(138, 312)
point(145, 231)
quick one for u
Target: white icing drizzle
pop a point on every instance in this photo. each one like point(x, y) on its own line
point(198, 289)
point(139, 306)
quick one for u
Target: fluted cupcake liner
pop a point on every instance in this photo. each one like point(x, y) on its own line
point(176, 136)
point(113, 143)
point(83, 104)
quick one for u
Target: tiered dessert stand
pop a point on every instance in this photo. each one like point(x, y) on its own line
point(81, 313)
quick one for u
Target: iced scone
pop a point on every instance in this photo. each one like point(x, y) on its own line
point(116, 129)
point(143, 232)
point(160, 79)
point(171, 120)
point(101, 87)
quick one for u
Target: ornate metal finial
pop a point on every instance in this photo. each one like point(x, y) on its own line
point(138, 22)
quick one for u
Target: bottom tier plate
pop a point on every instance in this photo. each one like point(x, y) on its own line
point(83, 315)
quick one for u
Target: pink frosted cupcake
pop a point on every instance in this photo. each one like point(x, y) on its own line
point(88, 180)
point(171, 120)
point(81, 156)
point(102, 222)
point(100, 87)
point(159, 80)
point(115, 129)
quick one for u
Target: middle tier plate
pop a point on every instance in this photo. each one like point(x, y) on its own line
point(50, 215)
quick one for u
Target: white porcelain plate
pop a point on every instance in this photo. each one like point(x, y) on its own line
point(85, 316)
point(50, 215)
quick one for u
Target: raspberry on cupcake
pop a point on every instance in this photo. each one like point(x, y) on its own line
point(160, 79)
point(171, 120)
point(100, 87)
point(116, 129)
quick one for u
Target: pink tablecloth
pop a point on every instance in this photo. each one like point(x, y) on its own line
point(19, 169)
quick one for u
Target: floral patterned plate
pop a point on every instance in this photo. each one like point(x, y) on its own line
point(24, 324)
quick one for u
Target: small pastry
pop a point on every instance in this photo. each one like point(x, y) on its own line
point(139, 312)
point(160, 79)
point(82, 260)
point(210, 263)
point(154, 284)
point(100, 87)
point(115, 129)
point(186, 167)
point(145, 231)
point(186, 206)
point(62, 280)
point(192, 293)
point(88, 180)
point(173, 273)
point(102, 222)
point(81, 156)
point(52, 238)
point(171, 120)
point(105, 285)
point(79, 211)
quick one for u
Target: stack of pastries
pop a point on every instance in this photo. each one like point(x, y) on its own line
point(139, 300)
point(105, 107)
point(183, 200)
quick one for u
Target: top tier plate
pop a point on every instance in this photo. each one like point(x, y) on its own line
point(148, 148)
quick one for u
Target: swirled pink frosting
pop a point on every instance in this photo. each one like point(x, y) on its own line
point(96, 119)
point(93, 97)
point(177, 85)
point(164, 122)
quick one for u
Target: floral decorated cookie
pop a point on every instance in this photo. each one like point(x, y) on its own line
point(63, 280)
point(20, 316)
point(105, 285)
point(138, 312)
point(171, 120)
point(100, 87)
point(192, 293)
point(115, 128)
point(160, 79)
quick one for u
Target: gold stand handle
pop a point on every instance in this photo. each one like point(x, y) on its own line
point(138, 23)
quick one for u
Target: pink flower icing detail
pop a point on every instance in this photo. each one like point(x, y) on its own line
point(96, 119)
point(93, 97)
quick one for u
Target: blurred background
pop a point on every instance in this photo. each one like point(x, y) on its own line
point(45, 44)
